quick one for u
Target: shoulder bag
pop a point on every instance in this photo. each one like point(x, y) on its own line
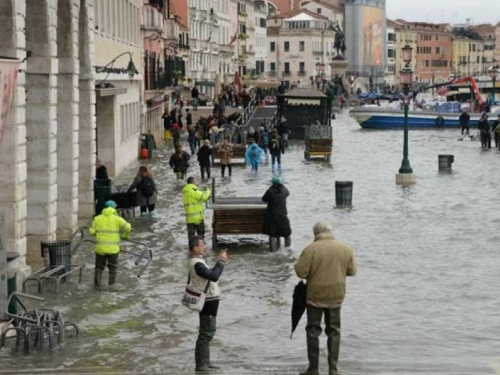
point(193, 298)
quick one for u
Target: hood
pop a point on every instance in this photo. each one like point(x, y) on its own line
point(189, 187)
point(109, 211)
point(324, 236)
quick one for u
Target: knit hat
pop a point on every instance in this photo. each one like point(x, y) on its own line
point(276, 180)
point(111, 204)
point(206, 142)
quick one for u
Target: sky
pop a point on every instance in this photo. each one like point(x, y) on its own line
point(445, 11)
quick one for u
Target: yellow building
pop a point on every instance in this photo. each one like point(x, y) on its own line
point(467, 56)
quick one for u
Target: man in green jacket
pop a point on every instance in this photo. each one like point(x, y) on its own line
point(108, 229)
point(193, 200)
point(325, 264)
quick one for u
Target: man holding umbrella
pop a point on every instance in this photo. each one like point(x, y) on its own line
point(325, 264)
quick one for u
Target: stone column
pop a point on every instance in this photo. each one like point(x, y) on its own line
point(13, 146)
point(41, 123)
point(67, 117)
point(87, 130)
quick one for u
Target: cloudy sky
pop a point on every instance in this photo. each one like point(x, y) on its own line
point(449, 11)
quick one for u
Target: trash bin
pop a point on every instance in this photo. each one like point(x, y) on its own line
point(148, 142)
point(102, 189)
point(343, 194)
point(123, 200)
point(445, 162)
point(59, 253)
point(12, 288)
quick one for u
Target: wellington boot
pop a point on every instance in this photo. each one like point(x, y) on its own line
point(204, 369)
point(213, 367)
point(310, 371)
point(97, 277)
point(288, 241)
point(112, 278)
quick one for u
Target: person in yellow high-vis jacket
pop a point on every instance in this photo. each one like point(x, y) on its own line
point(109, 229)
point(193, 200)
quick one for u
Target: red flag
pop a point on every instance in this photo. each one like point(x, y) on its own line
point(233, 39)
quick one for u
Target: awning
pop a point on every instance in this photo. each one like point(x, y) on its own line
point(111, 91)
point(205, 83)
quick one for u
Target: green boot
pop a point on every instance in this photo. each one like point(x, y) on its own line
point(201, 354)
point(97, 277)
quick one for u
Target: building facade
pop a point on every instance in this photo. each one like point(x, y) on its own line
point(260, 46)
point(119, 94)
point(489, 34)
point(47, 155)
point(293, 41)
point(366, 39)
point(468, 56)
point(390, 70)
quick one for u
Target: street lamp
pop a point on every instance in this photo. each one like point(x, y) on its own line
point(320, 69)
point(130, 70)
point(406, 79)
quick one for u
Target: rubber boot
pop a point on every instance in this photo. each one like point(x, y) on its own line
point(97, 277)
point(313, 356)
point(201, 356)
point(288, 241)
point(112, 277)
point(210, 365)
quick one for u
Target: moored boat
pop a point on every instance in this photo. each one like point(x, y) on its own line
point(385, 118)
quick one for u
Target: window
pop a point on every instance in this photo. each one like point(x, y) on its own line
point(272, 67)
point(438, 50)
point(302, 67)
point(287, 67)
point(242, 8)
point(391, 37)
point(318, 10)
point(243, 28)
point(391, 53)
point(301, 46)
point(286, 46)
point(272, 46)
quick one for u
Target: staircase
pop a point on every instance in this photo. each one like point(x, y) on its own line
point(253, 115)
point(260, 114)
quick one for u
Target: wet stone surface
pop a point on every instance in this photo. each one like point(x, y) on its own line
point(425, 300)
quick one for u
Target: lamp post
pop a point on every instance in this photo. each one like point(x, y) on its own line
point(320, 68)
point(405, 172)
point(131, 70)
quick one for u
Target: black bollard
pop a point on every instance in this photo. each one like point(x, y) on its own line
point(343, 194)
point(445, 162)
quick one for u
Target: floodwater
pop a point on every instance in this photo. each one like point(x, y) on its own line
point(425, 299)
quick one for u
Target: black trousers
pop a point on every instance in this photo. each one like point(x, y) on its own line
point(110, 260)
point(466, 128)
point(196, 229)
point(229, 168)
point(203, 169)
point(149, 207)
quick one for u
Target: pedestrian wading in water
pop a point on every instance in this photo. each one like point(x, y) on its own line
point(225, 153)
point(324, 264)
point(276, 223)
point(204, 278)
point(109, 229)
point(179, 162)
point(194, 207)
point(146, 195)
point(205, 158)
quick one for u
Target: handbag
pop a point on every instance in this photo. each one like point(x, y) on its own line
point(193, 298)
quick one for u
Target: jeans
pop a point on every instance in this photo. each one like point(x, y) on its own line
point(203, 169)
point(192, 145)
point(223, 169)
point(332, 331)
point(180, 175)
point(195, 104)
point(255, 166)
point(149, 207)
point(276, 158)
point(196, 229)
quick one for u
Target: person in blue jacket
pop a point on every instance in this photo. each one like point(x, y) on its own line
point(253, 156)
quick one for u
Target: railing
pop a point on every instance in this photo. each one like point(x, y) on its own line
point(272, 73)
point(285, 73)
point(301, 73)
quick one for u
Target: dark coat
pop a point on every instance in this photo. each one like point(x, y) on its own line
point(180, 163)
point(101, 173)
point(142, 200)
point(204, 154)
point(280, 149)
point(276, 223)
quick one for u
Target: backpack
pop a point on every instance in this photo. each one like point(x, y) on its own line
point(255, 153)
point(275, 144)
point(265, 139)
point(147, 187)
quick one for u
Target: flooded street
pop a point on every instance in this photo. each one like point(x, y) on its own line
point(425, 299)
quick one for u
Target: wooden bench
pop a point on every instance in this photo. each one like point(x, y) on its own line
point(238, 154)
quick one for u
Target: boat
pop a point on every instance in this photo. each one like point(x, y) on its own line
point(375, 117)
point(384, 118)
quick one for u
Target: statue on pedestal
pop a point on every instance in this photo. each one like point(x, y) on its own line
point(339, 44)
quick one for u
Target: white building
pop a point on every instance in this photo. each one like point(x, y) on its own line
point(260, 46)
point(119, 104)
point(300, 48)
point(47, 154)
point(334, 13)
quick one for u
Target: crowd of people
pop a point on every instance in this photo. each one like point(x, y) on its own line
point(488, 129)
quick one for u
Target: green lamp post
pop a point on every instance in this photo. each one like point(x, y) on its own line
point(406, 79)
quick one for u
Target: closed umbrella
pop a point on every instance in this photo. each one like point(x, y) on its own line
point(299, 304)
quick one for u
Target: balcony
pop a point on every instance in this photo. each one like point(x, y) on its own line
point(272, 73)
point(318, 53)
point(153, 19)
point(301, 73)
point(171, 30)
point(286, 73)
